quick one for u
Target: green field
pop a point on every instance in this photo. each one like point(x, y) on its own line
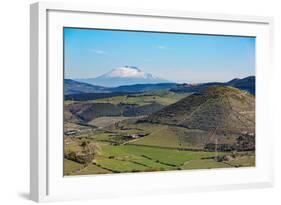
point(145, 154)
point(120, 166)
point(169, 136)
point(161, 97)
point(70, 167)
point(162, 149)
point(133, 158)
point(92, 168)
point(171, 157)
point(204, 164)
point(106, 121)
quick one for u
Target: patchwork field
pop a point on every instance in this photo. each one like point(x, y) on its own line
point(136, 158)
point(159, 131)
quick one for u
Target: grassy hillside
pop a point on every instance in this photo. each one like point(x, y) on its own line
point(226, 109)
point(143, 110)
point(89, 111)
point(130, 105)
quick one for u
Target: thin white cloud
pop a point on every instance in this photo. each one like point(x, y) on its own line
point(97, 51)
point(161, 47)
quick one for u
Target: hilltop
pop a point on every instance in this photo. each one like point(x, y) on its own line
point(221, 108)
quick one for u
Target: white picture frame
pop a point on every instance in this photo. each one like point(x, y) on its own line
point(46, 179)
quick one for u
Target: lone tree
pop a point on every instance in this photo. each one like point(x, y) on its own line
point(83, 145)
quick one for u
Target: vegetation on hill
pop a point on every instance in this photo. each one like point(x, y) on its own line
point(143, 110)
point(226, 109)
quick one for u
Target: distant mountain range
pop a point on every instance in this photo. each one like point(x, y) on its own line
point(72, 87)
point(126, 75)
point(247, 84)
point(143, 87)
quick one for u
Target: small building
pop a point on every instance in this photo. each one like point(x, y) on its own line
point(71, 132)
point(136, 136)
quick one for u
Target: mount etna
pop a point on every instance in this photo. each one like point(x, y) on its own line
point(126, 75)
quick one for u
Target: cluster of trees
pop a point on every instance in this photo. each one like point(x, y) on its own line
point(86, 156)
point(212, 147)
point(245, 142)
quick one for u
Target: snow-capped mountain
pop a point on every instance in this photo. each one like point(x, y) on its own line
point(127, 72)
point(126, 75)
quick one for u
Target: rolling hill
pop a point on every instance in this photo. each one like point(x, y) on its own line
point(86, 112)
point(220, 108)
point(74, 87)
point(247, 84)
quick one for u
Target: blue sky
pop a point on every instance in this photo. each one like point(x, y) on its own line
point(175, 57)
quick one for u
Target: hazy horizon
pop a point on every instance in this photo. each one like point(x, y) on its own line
point(179, 58)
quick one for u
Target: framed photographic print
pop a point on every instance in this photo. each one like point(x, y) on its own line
point(127, 102)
